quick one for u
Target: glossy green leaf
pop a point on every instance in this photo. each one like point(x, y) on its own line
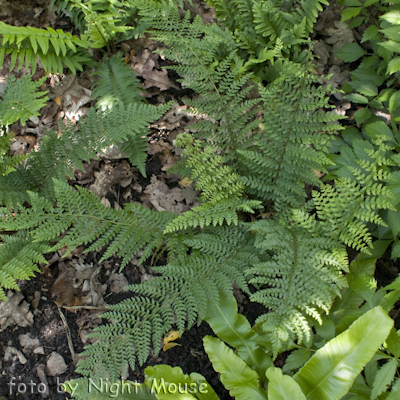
point(282, 387)
point(235, 330)
point(330, 373)
point(370, 33)
point(393, 65)
point(350, 12)
point(395, 254)
point(350, 299)
point(237, 377)
point(393, 17)
point(356, 98)
point(393, 343)
point(365, 88)
point(394, 101)
point(378, 128)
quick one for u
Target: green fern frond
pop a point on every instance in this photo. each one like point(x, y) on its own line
point(21, 100)
point(102, 24)
point(292, 141)
point(345, 209)
point(181, 295)
point(220, 186)
point(83, 219)
point(54, 48)
point(8, 163)
point(125, 124)
point(19, 257)
point(298, 281)
point(117, 83)
point(59, 155)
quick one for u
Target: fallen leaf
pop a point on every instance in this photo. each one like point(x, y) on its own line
point(171, 336)
point(185, 182)
point(170, 345)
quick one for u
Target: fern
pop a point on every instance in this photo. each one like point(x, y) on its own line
point(298, 281)
point(58, 155)
point(117, 83)
point(101, 27)
point(220, 186)
point(293, 140)
point(81, 216)
point(54, 48)
point(345, 209)
point(19, 257)
point(20, 101)
point(181, 295)
point(260, 24)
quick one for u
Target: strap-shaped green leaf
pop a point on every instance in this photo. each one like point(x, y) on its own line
point(241, 381)
point(235, 329)
point(330, 373)
point(282, 387)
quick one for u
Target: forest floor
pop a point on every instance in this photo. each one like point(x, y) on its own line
point(59, 307)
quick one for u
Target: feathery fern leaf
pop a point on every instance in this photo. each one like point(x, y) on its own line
point(19, 257)
point(21, 100)
point(220, 186)
point(293, 140)
point(81, 216)
point(58, 155)
point(345, 209)
point(181, 295)
point(299, 280)
point(117, 83)
point(125, 124)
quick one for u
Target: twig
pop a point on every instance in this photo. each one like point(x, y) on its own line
point(69, 339)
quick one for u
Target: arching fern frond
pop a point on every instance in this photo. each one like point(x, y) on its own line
point(81, 216)
point(222, 191)
point(181, 295)
point(299, 279)
point(293, 139)
point(58, 155)
point(345, 209)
